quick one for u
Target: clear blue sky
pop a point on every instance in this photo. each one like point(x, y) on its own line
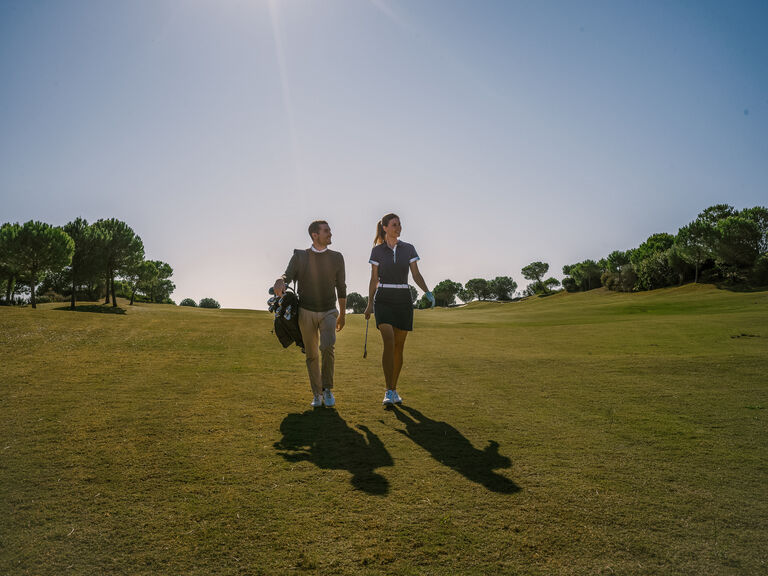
point(501, 132)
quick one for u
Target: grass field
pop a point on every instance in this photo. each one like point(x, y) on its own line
point(595, 433)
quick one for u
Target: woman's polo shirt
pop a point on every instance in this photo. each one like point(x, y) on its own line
point(394, 265)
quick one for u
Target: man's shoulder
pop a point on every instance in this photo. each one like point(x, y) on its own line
point(337, 255)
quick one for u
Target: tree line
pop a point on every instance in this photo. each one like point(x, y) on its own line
point(721, 245)
point(501, 288)
point(204, 303)
point(80, 261)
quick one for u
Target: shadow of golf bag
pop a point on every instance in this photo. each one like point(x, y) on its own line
point(286, 310)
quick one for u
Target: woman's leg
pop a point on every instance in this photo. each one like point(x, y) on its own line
point(387, 356)
point(397, 360)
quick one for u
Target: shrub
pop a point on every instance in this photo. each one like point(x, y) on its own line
point(188, 302)
point(445, 292)
point(356, 302)
point(609, 279)
point(759, 274)
point(570, 284)
point(51, 296)
point(209, 303)
point(423, 302)
point(654, 272)
point(622, 280)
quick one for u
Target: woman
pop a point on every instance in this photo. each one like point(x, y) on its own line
point(389, 297)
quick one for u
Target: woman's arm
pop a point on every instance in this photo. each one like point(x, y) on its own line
point(372, 285)
point(417, 277)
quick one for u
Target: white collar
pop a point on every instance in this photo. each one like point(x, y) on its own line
point(318, 251)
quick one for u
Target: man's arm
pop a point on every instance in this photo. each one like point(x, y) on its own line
point(290, 274)
point(342, 319)
point(341, 294)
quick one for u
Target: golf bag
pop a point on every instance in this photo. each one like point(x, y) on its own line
point(286, 309)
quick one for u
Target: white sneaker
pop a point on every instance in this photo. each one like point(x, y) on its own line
point(388, 401)
point(396, 397)
point(328, 397)
point(317, 402)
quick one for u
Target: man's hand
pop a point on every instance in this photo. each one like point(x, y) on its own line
point(340, 321)
point(279, 287)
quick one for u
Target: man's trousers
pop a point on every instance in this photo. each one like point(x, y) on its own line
point(319, 327)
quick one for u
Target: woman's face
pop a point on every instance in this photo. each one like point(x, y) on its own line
point(393, 228)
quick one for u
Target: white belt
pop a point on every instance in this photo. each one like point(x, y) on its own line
point(393, 285)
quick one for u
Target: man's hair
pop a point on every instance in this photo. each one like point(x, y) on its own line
point(314, 228)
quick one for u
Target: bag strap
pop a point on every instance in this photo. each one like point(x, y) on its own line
point(303, 256)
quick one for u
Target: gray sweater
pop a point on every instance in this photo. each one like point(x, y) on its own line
point(321, 278)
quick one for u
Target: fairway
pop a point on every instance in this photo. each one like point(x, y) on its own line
point(587, 433)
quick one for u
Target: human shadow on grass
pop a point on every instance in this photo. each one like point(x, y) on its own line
point(95, 308)
point(451, 448)
point(323, 438)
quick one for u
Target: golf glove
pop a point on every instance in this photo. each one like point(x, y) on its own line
point(431, 298)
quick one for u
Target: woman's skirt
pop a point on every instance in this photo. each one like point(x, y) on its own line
point(393, 306)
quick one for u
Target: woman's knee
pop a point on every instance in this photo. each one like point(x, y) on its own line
point(387, 334)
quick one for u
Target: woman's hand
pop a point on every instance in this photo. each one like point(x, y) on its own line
point(368, 311)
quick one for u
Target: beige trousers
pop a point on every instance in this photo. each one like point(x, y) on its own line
point(324, 323)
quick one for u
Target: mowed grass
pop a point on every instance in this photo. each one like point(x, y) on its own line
point(595, 433)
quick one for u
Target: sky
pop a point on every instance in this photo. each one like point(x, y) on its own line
point(501, 133)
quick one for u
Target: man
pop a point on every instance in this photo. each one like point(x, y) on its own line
point(320, 274)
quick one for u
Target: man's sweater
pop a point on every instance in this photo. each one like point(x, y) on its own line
point(321, 278)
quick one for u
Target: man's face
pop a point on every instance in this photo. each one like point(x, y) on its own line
point(323, 236)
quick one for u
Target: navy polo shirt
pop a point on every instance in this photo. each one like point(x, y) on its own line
point(394, 265)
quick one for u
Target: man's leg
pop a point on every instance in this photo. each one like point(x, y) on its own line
point(308, 324)
point(327, 343)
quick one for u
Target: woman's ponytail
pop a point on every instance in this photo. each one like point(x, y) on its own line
point(379, 234)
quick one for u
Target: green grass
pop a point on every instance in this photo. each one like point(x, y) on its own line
point(595, 433)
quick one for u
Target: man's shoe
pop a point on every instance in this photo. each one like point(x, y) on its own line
point(388, 401)
point(396, 397)
point(317, 402)
point(328, 397)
